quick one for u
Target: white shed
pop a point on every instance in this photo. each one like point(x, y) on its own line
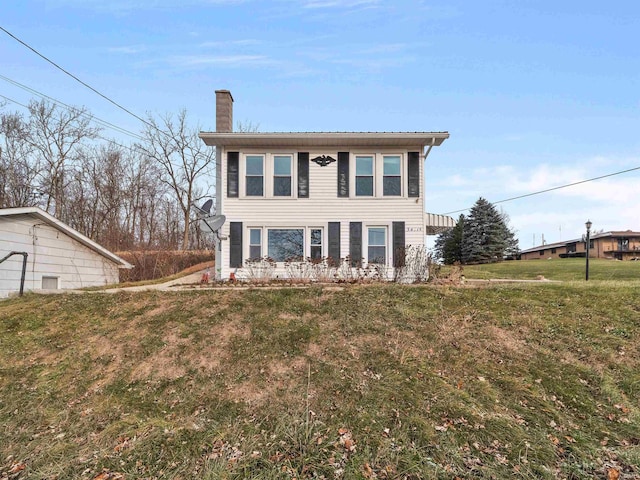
point(58, 257)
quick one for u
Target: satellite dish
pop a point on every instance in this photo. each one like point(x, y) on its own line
point(207, 206)
point(215, 223)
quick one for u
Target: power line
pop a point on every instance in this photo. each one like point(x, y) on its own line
point(552, 189)
point(78, 80)
point(109, 140)
point(59, 102)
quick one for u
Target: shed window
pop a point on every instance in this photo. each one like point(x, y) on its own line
point(50, 283)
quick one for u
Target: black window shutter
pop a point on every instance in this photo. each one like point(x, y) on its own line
point(398, 244)
point(334, 242)
point(343, 174)
point(355, 243)
point(232, 174)
point(303, 174)
point(235, 244)
point(413, 174)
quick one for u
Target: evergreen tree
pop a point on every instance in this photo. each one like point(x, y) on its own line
point(486, 237)
point(448, 245)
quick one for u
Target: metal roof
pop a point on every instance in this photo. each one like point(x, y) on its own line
point(325, 139)
point(66, 229)
point(435, 224)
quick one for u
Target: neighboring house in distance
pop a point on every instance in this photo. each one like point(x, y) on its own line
point(319, 194)
point(59, 257)
point(617, 245)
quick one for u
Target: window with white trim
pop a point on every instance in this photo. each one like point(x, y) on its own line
point(255, 243)
point(391, 175)
point(315, 244)
point(377, 245)
point(282, 172)
point(50, 283)
point(364, 176)
point(285, 244)
point(254, 175)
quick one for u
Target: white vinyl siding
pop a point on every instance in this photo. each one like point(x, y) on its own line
point(51, 253)
point(324, 205)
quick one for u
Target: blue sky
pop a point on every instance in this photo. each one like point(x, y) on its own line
point(534, 93)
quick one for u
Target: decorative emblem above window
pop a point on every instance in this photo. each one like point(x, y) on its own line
point(323, 160)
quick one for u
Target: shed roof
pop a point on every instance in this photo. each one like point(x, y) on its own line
point(66, 229)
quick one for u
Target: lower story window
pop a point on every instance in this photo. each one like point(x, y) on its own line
point(255, 243)
point(286, 244)
point(316, 244)
point(377, 251)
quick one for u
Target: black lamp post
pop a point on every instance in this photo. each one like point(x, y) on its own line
point(588, 244)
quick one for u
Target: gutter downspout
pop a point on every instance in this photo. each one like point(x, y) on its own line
point(424, 189)
point(24, 267)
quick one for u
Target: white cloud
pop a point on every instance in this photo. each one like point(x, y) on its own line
point(611, 203)
point(230, 43)
point(221, 60)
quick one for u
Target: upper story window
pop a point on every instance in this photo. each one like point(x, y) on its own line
point(364, 176)
point(282, 175)
point(254, 175)
point(392, 179)
point(383, 175)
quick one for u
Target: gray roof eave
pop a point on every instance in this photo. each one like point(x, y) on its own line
point(325, 139)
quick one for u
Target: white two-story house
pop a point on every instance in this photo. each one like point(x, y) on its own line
point(314, 195)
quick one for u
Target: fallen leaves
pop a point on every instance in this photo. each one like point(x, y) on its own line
point(17, 467)
point(613, 474)
point(106, 474)
point(346, 440)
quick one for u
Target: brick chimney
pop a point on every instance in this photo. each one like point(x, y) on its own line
point(224, 111)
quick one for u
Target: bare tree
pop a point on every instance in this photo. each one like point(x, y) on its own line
point(183, 157)
point(18, 167)
point(57, 134)
point(143, 189)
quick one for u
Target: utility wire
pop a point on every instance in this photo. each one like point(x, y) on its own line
point(552, 189)
point(78, 80)
point(109, 140)
point(69, 107)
